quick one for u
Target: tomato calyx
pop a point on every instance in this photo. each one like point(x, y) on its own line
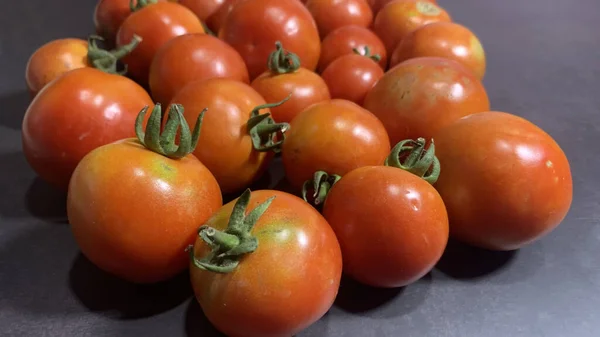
point(367, 53)
point(282, 61)
point(164, 143)
point(266, 134)
point(321, 183)
point(410, 155)
point(107, 60)
point(230, 245)
point(136, 5)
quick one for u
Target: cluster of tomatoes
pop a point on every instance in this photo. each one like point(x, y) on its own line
point(376, 108)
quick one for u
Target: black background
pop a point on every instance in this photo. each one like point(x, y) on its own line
point(543, 64)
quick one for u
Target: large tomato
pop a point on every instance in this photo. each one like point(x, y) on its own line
point(377, 5)
point(443, 39)
point(505, 181)
point(344, 40)
point(270, 272)
point(286, 77)
point(420, 96)
point(193, 57)
point(203, 8)
point(332, 14)
point(135, 205)
point(398, 18)
point(335, 136)
point(110, 14)
point(253, 27)
point(78, 112)
point(156, 24)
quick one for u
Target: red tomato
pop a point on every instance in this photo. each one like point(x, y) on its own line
point(133, 211)
point(344, 40)
point(215, 21)
point(398, 18)
point(78, 112)
point(350, 77)
point(193, 57)
point(203, 8)
point(335, 136)
point(505, 181)
point(156, 24)
point(420, 96)
point(285, 77)
point(377, 5)
point(288, 248)
point(253, 27)
point(443, 39)
point(332, 14)
point(110, 14)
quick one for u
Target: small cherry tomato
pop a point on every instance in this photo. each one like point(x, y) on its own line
point(135, 205)
point(506, 182)
point(110, 14)
point(377, 5)
point(285, 77)
point(344, 40)
point(332, 14)
point(203, 8)
point(398, 18)
point(193, 57)
point(419, 96)
point(443, 39)
point(271, 270)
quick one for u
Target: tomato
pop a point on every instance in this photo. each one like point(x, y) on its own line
point(193, 57)
point(110, 14)
point(215, 21)
point(505, 181)
point(443, 39)
point(285, 77)
point(420, 96)
point(398, 18)
point(335, 136)
point(135, 205)
point(283, 269)
point(156, 24)
point(344, 40)
point(350, 77)
point(377, 5)
point(203, 8)
point(332, 14)
point(253, 27)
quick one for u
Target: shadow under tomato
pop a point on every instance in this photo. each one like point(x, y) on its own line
point(14, 106)
point(101, 292)
point(196, 324)
point(46, 202)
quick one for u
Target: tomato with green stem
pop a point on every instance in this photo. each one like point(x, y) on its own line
point(135, 205)
point(272, 271)
point(110, 14)
point(332, 14)
point(345, 40)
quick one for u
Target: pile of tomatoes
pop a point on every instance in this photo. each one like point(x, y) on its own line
point(375, 107)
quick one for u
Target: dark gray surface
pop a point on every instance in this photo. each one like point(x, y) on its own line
point(544, 64)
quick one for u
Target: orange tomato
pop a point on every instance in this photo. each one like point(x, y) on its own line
point(377, 5)
point(332, 14)
point(203, 8)
point(344, 40)
point(110, 14)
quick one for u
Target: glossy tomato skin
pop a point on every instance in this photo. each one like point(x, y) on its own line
point(332, 14)
point(298, 260)
point(377, 5)
point(215, 21)
point(203, 8)
point(334, 136)
point(225, 146)
point(189, 58)
point(109, 15)
point(253, 27)
point(86, 108)
point(156, 24)
point(398, 18)
point(505, 181)
point(350, 77)
point(443, 39)
point(391, 224)
point(306, 87)
point(343, 40)
point(420, 96)
point(133, 212)
point(54, 59)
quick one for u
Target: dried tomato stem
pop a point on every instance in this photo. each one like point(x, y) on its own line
point(264, 131)
point(367, 53)
point(410, 155)
point(106, 60)
point(282, 61)
point(321, 184)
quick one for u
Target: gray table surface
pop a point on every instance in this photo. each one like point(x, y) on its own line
point(543, 64)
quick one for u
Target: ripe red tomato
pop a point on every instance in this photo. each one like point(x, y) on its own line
point(420, 96)
point(193, 57)
point(398, 18)
point(335, 136)
point(110, 14)
point(344, 40)
point(203, 8)
point(350, 77)
point(505, 181)
point(215, 21)
point(285, 77)
point(135, 205)
point(283, 245)
point(156, 24)
point(443, 39)
point(78, 112)
point(332, 14)
point(377, 5)
point(253, 27)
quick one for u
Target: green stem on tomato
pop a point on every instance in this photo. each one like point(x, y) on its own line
point(264, 131)
point(367, 53)
point(107, 60)
point(410, 155)
point(282, 61)
point(136, 5)
point(321, 183)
